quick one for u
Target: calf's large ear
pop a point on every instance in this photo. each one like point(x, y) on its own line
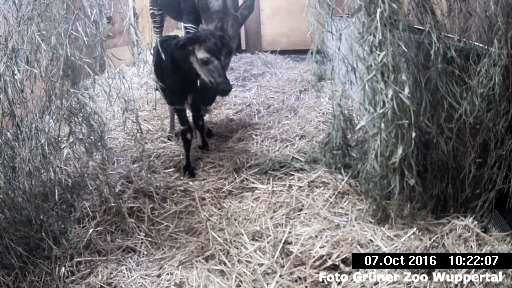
point(246, 10)
point(188, 42)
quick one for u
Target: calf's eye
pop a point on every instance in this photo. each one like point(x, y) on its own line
point(205, 61)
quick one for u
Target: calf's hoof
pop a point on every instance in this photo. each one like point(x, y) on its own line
point(189, 170)
point(209, 133)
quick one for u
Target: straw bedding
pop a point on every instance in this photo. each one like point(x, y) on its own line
point(261, 212)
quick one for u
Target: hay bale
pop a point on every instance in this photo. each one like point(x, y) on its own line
point(435, 106)
point(441, 111)
point(52, 143)
point(339, 51)
point(334, 30)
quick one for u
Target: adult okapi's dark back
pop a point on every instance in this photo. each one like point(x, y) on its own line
point(218, 15)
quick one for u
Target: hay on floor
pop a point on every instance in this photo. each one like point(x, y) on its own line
point(262, 210)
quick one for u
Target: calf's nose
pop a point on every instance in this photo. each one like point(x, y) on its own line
point(225, 89)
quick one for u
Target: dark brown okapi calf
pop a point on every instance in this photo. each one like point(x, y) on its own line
point(191, 74)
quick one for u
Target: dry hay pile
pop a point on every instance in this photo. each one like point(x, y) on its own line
point(434, 114)
point(333, 33)
point(440, 106)
point(261, 212)
point(51, 138)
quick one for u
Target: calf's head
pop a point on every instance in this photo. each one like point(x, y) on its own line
point(208, 52)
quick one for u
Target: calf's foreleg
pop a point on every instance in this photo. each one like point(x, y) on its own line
point(198, 119)
point(172, 123)
point(187, 133)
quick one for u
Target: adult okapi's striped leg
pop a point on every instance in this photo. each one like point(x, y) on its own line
point(157, 20)
point(191, 18)
point(189, 28)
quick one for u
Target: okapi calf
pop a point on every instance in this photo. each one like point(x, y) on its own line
point(190, 73)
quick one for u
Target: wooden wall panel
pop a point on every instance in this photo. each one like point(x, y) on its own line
point(284, 25)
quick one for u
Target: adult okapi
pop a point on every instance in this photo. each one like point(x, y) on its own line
point(222, 16)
